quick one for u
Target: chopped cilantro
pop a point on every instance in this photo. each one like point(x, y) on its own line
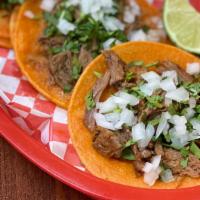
point(184, 163)
point(129, 143)
point(193, 88)
point(145, 28)
point(152, 64)
point(97, 74)
point(195, 150)
point(90, 103)
point(137, 92)
point(184, 152)
point(136, 63)
point(129, 76)
point(76, 68)
point(154, 121)
point(167, 137)
point(68, 88)
point(197, 109)
point(127, 154)
point(189, 126)
point(154, 101)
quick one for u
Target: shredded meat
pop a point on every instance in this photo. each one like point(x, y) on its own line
point(60, 68)
point(168, 65)
point(108, 143)
point(98, 89)
point(51, 42)
point(85, 57)
point(172, 158)
point(116, 67)
point(158, 149)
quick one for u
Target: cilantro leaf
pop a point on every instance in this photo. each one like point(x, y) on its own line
point(195, 150)
point(154, 101)
point(184, 163)
point(90, 103)
point(97, 74)
point(127, 154)
point(136, 63)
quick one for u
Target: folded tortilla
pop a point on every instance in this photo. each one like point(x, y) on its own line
point(111, 169)
point(27, 33)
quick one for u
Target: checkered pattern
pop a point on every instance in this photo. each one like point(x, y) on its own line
point(40, 119)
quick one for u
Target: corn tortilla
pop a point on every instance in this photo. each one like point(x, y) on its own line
point(27, 33)
point(111, 169)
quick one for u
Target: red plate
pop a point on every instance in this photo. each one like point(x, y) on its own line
point(77, 179)
point(67, 171)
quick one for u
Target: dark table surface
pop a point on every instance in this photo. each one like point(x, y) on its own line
point(21, 180)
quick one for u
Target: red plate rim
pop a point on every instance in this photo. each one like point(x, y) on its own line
point(77, 179)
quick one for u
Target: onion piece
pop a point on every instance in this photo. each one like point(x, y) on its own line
point(101, 121)
point(192, 102)
point(113, 117)
point(150, 131)
point(131, 99)
point(171, 74)
point(64, 26)
point(193, 68)
point(29, 14)
point(167, 84)
point(138, 35)
point(107, 44)
point(126, 117)
point(179, 94)
point(138, 132)
point(179, 125)
point(151, 76)
point(106, 106)
point(152, 170)
point(163, 124)
point(48, 5)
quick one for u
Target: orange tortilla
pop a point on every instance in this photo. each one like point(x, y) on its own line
point(12, 24)
point(111, 169)
point(26, 45)
point(4, 23)
point(5, 42)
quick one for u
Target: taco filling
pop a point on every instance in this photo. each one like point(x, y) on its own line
point(152, 118)
point(76, 32)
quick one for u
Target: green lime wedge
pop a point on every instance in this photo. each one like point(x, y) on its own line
point(182, 23)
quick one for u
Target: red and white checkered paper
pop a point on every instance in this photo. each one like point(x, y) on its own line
point(41, 119)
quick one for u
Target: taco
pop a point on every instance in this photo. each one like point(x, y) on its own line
point(55, 42)
point(7, 7)
point(134, 116)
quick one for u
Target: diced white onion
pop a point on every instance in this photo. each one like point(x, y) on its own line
point(101, 121)
point(189, 113)
point(167, 84)
point(163, 123)
point(179, 124)
point(150, 76)
point(192, 102)
point(150, 131)
point(113, 24)
point(64, 26)
point(29, 14)
point(131, 99)
point(113, 117)
point(106, 106)
point(152, 170)
point(126, 117)
point(167, 101)
point(138, 132)
point(138, 35)
point(196, 124)
point(107, 44)
point(179, 94)
point(193, 68)
point(171, 74)
point(146, 89)
point(48, 5)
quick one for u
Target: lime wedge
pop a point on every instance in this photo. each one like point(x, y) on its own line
point(182, 23)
